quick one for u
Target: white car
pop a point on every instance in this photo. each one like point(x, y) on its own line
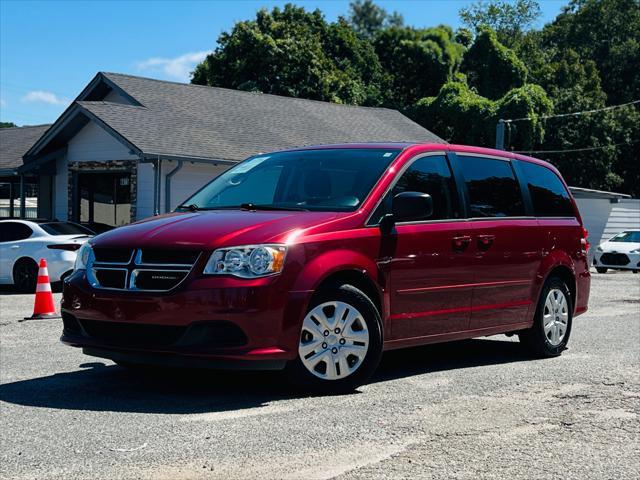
point(23, 243)
point(621, 252)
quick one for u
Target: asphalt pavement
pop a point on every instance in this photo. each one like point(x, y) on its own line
point(464, 410)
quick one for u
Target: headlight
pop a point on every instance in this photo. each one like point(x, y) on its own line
point(83, 257)
point(250, 261)
point(599, 248)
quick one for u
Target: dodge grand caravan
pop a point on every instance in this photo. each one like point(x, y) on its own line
point(316, 260)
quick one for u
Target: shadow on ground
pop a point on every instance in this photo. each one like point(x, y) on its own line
point(56, 287)
point(99, 387)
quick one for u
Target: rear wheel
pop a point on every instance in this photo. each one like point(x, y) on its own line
point(25, 275)
point(340, 342)
point(549, 335)
point(601, 269)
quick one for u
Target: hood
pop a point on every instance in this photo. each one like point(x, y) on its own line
point(213, 229)
point(619, 247)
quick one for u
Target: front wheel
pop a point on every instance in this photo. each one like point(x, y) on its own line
point(340, 342)
point(549, 335)
point(601, 269)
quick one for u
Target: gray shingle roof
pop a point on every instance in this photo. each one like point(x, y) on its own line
point(209, 122)
point(14, 143)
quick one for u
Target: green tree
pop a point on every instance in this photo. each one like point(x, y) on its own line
point(492, 68)
point(606, 32)
point(367, 18)
point(295, 53)
point(508, 18)
point(7, 125)
point(419, 60)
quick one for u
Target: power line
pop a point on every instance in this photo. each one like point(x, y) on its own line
point(577, 149)
point(572, 114)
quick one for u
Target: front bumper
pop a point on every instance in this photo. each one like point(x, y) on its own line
point(621, 261)
point(202, 325)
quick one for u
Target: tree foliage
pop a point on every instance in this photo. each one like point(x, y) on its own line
point(367, 18)
point(492, 68)
point(420, 60)
point(508, 19)
point(7, 125)
point(298, 54)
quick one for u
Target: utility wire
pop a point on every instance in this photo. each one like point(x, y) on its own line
point(584, 112)
point(577, 149)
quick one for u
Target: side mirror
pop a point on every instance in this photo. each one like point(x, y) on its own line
point(412, 206)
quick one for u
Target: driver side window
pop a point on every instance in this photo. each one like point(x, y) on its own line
point(432, 175)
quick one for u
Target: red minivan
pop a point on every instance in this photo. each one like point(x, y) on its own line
point(318, 259)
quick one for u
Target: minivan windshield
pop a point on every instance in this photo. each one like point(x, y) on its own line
point(318, 180)
point(632, 237)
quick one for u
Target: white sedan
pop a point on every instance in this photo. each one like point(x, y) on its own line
point(23, 243)
point(620, 252)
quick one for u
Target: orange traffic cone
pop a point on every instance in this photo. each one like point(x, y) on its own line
point(44, 306)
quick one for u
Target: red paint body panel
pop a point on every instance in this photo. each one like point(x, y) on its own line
point(428, 290)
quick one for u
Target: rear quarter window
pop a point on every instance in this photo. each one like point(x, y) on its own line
point(548, 194)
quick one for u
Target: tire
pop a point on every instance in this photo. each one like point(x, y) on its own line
point(355, 349)
point(550, 342)
point(601, 269)
point(25, 275)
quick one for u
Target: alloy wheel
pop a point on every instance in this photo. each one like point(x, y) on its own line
point(555, 318)
point(334, 340)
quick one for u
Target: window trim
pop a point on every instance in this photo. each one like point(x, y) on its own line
point(527, 213)
point(397, 178)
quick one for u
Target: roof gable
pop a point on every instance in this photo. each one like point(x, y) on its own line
point(192, 121)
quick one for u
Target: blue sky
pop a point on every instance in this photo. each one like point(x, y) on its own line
point(49, 50)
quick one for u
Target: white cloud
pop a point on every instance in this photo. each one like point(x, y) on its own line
point(177, 68)
point(44, 97)
point(2, 102)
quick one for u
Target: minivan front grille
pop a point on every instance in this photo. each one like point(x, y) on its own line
point(112, 255)
point(152, 270)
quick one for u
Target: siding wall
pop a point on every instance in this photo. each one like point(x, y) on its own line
point(190, 178)
point(625, 215)
point(94, 144)
point(595, 213)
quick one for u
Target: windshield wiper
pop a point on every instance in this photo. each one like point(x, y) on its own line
point(253, 206)
point(192, 207)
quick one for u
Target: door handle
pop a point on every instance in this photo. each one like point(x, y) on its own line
point(15, 247)
point(485, 241)
point(460, 243)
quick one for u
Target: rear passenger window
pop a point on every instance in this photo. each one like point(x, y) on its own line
point(430, 175)
point(14, 231)
point(492, 186)
point(548, 194)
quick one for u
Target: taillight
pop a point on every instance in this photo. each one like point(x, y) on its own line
point(72, 247)
point(585, 239)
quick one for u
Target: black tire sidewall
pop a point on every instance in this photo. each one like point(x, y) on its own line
point(601, 269)
point(304, 380)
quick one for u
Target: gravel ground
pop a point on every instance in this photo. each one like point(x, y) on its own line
point(474, 409)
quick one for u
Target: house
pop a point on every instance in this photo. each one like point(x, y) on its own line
point(605, 214)
point(131, 147)
point(14, 143)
